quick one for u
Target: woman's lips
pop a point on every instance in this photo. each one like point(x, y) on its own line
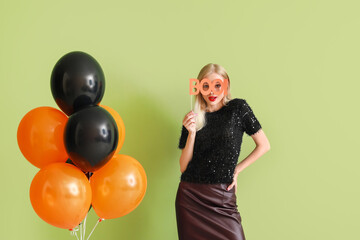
point(212, 98)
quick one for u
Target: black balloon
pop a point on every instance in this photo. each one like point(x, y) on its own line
point(90, 138)
point(77, 81)
point(70, 162)
point(87, 174)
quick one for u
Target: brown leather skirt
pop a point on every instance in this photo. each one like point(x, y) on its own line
point(207, 211)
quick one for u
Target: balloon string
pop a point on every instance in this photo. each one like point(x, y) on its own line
point(99, 220)
point(74, 232)
point(80, 232)
point(85, 226)
point(76, 236)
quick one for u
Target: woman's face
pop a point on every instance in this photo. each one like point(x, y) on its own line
point(213, 98)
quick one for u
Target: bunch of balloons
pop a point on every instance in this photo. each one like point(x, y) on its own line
point(87, 135)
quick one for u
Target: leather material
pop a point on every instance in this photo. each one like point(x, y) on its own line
point(207, 212)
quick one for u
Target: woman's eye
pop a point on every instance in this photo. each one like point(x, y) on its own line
point(218, 85)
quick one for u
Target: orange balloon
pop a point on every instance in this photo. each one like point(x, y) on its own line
point(120, 125)
point(60, 194)
point(40, 136)
point(118, 187)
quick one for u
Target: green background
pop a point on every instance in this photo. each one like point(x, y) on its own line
point(296, 63)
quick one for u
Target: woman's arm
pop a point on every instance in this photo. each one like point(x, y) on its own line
point(262, 146)
point(187, 151)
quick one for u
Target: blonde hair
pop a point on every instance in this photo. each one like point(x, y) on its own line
point(200, 104)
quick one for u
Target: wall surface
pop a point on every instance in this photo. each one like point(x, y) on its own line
point(295, 62)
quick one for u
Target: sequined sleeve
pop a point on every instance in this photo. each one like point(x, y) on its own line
point(183, 137)
point(250, 123)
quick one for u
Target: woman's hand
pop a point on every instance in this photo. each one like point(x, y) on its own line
point(234, 183)
point(189, 122)
point(187, 152)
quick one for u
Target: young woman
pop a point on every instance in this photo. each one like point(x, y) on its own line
point(211, 140)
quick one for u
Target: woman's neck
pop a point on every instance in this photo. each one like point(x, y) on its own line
point(215, 108)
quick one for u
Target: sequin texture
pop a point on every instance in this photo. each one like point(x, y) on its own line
point(217, 145)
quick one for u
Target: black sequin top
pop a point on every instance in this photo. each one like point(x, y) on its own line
point(217, 145)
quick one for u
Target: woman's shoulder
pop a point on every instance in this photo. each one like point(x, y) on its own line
point(237, 102)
